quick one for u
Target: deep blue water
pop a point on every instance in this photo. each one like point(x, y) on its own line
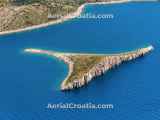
point(29, 82)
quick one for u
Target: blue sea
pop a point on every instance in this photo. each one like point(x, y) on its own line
point(29, 82)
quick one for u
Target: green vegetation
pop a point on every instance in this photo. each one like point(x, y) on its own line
point(84, 67)
point(16, 14)
point(3, 3)
point(82, 64)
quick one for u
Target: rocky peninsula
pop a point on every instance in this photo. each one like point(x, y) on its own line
point(85, 67)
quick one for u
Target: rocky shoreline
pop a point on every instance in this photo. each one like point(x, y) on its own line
point(108, 62)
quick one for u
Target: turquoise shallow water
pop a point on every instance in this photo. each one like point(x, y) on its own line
point(29, 82)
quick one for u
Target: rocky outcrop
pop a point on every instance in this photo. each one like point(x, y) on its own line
point(105, 63)
point(103, 66)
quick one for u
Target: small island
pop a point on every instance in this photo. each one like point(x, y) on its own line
point(85, 67)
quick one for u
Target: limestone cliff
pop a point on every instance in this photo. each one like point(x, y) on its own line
point(85, 67)
point(103, 66)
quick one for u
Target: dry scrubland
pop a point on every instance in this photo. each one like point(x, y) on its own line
point(84, 67)
point(16, 14)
